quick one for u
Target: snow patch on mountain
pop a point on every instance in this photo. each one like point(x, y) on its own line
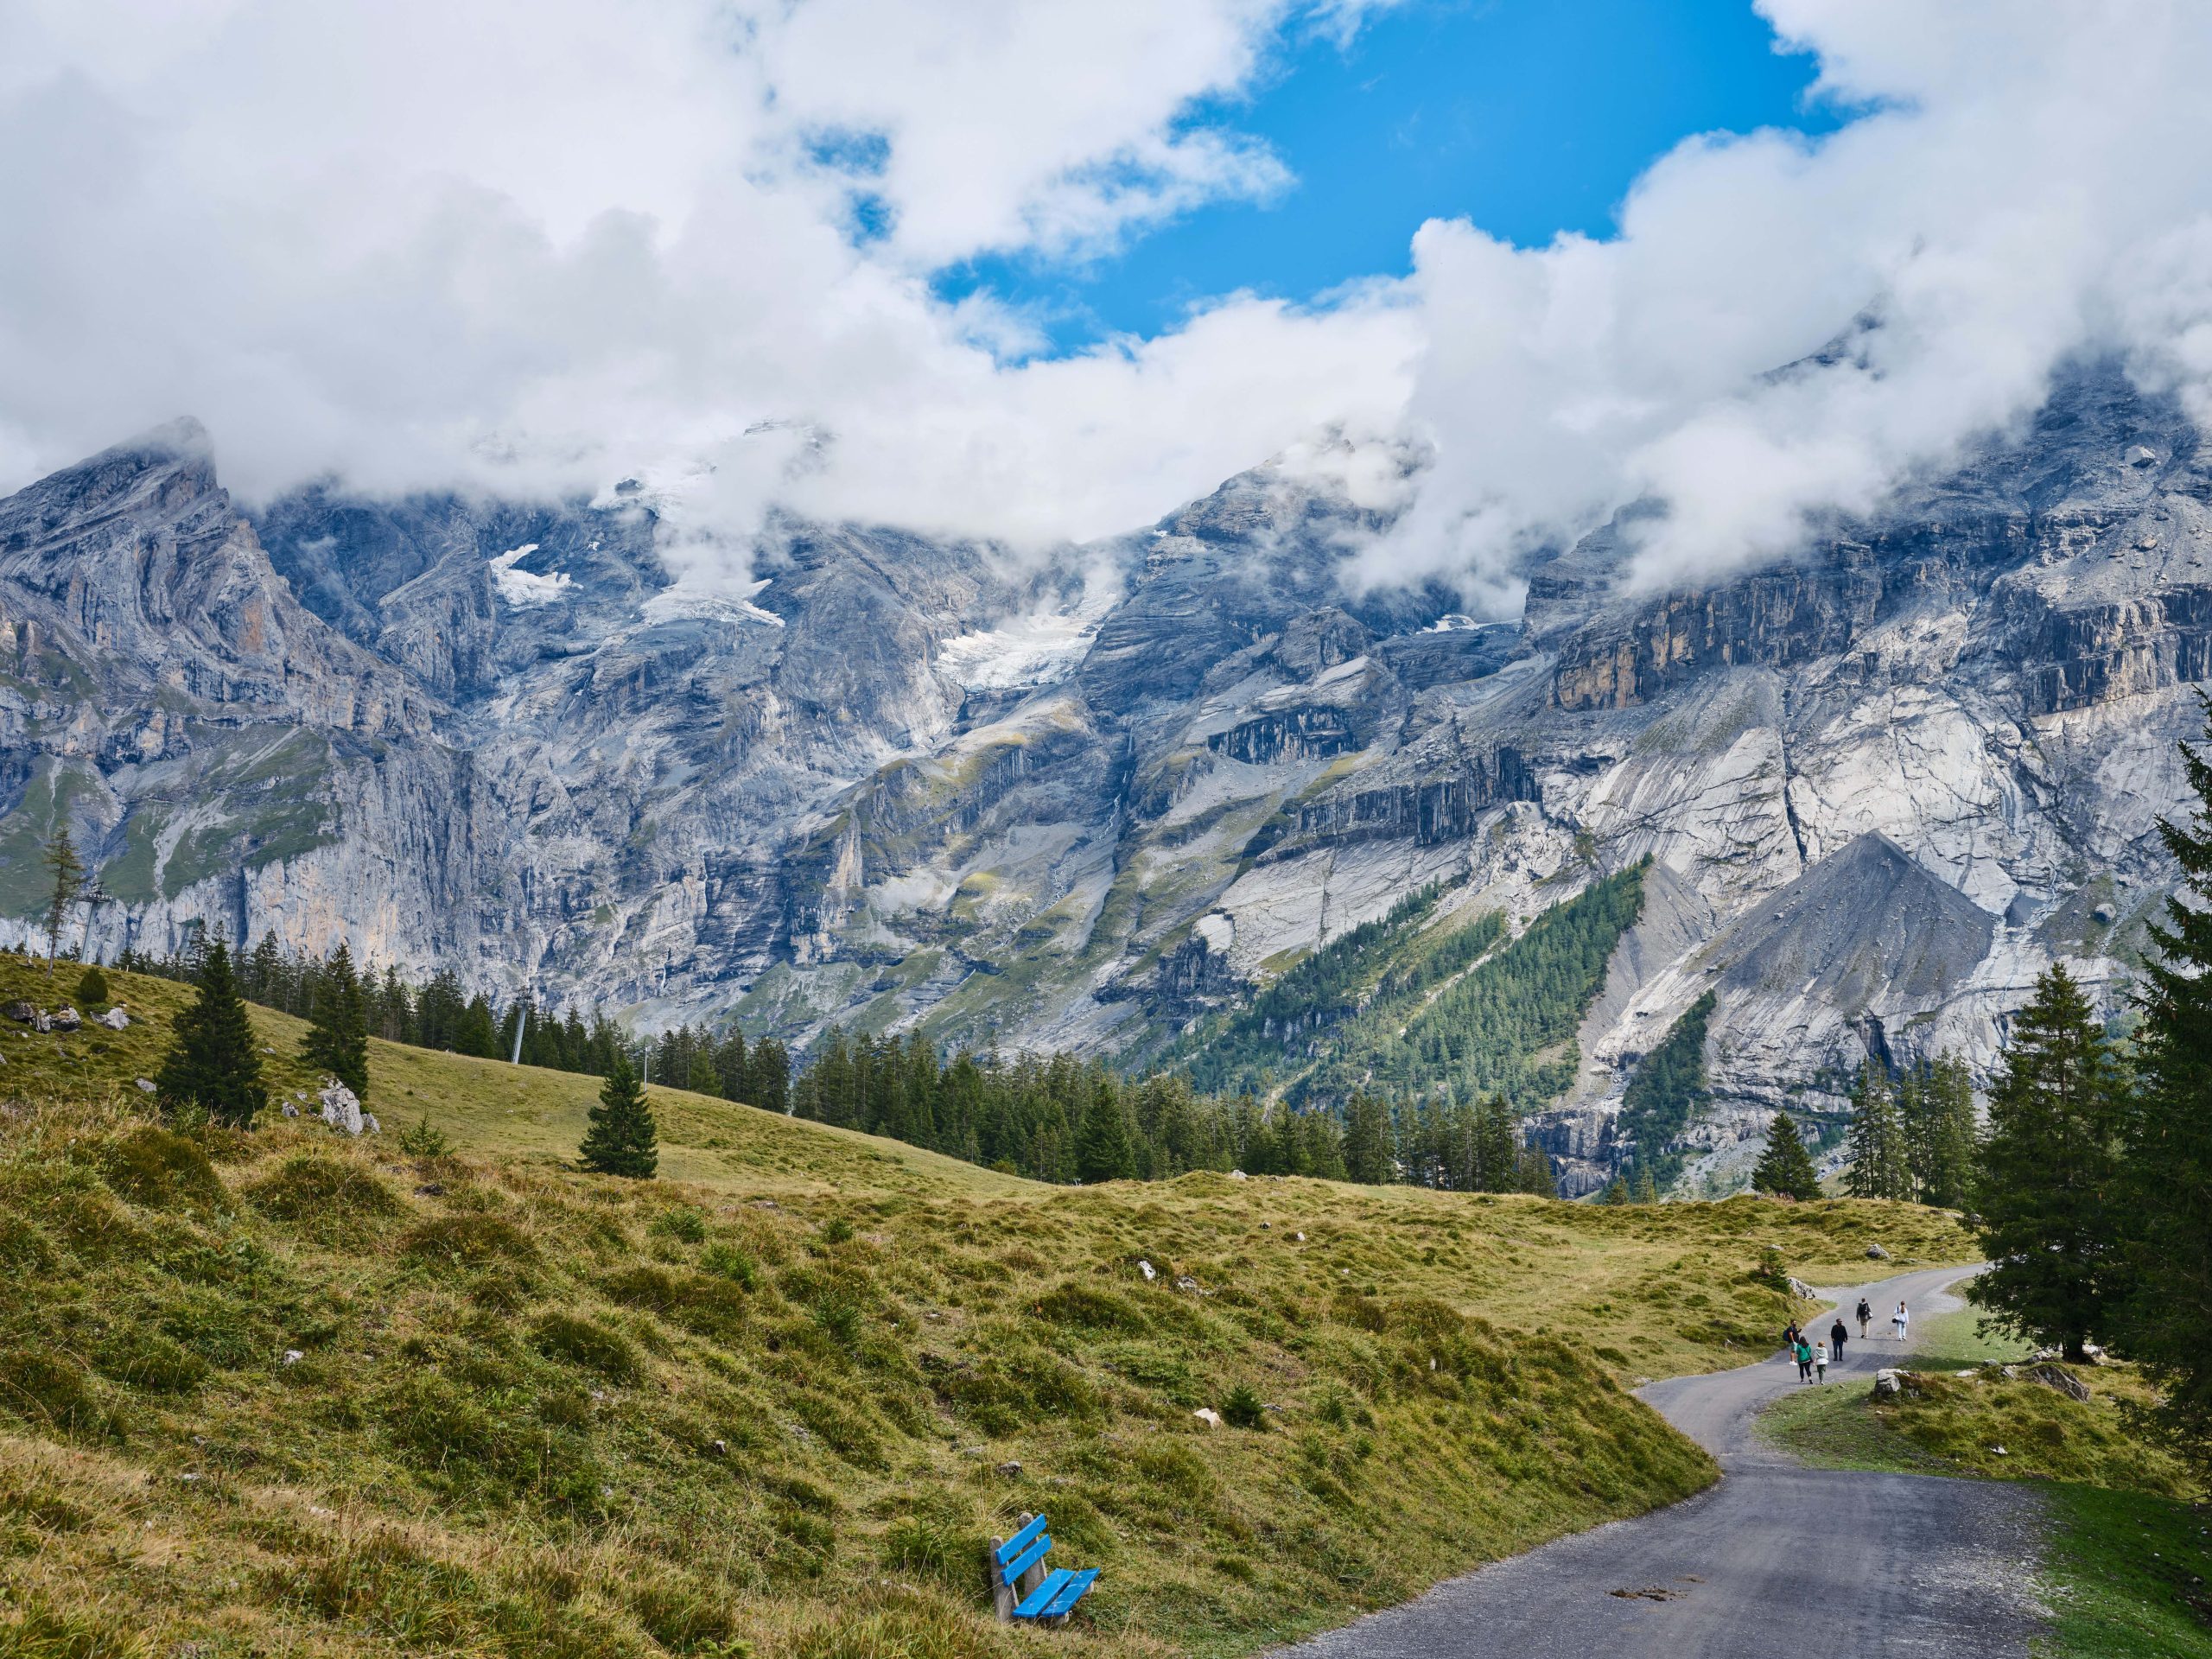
point(1042, 648)
point(525, 588)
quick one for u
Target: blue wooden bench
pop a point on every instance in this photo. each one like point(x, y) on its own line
point(1057, 1592)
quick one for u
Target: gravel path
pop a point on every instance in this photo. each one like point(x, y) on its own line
point(1774, 1559)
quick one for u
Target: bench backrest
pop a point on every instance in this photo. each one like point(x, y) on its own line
point(1023, 1551)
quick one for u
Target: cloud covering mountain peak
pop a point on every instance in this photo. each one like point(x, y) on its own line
point(532, 249)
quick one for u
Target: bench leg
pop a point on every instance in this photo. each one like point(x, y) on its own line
point(1002, 1601)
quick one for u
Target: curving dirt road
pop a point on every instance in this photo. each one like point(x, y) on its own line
point(1774, 1559)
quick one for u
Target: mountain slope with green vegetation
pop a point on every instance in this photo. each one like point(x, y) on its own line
point(286, 1391)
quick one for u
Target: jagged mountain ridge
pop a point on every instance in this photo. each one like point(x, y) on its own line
point(907, 780)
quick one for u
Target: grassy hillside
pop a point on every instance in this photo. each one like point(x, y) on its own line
point(286, 1393)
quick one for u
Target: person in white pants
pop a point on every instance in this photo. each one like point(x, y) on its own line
point(1900, 1321)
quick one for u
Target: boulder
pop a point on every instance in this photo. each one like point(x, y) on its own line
point(1208, 1416)
point(2058, 1377)
point(1876, 1253)
point(22, 1013)
point(1803, 1292)
point(370, 1125)
point(146, 1086)
point(116, 1020)
point(290, 1111)
point(341, 1106)
point(1889, 1383)
point(68, 1019)
point(1150, 1272)
point(1010, 1468)
point(1238, 1175)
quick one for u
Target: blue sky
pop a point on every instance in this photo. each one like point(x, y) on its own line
point(1527, 117)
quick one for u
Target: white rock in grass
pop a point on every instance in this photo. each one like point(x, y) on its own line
point(1150, 1272)
point(1208, 1415)
point(341, 1106)
point(116, 1020)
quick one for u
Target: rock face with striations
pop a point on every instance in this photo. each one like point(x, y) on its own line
point(1882, 784)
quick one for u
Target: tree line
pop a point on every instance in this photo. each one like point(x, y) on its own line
point(1060, 1118)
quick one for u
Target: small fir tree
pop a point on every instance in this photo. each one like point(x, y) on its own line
point(1879, 1166)
point(2045, 1196)
point(2169, 1308)
point(1646, 1190)
point(68, 872)
point(213, 1064)
point(91, 995)
point(622, 1138)
point(1617, 1193)
point(1537, 1175)
point(1785, 1167)
point(338, 1038)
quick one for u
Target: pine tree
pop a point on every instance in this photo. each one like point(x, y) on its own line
point(475, 1031)
point(2169, 1308)
point(1367, 1140)
point(1618, 1193)
point(1879, 1166)
point(1646, 1190)
point(1102, 1147)
point(1537, 1175)
point(67, 871)
point(338, 1037)
point(1785, 1167)
point(1940, 1131)
point(2045, 1195)
point(622, 1138)
point(91, 995)
point(213, 1064)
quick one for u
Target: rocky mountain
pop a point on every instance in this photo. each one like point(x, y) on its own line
point(890, 779)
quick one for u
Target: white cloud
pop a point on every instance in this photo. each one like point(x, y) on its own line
point(545, 244)
point(541, 244)
point(2028, 186)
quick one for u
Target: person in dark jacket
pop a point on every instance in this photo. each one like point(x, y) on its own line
point(1865, 1316)
point(1839, 1333)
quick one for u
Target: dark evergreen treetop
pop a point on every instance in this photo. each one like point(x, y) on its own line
point(1785, 1167)
point(212, 1063)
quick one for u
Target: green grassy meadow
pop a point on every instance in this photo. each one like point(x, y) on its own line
point(284, 1393)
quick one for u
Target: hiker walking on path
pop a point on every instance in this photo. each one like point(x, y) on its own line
point(1804, 1361)
point(1900, 1321)
point(1839, 1333)
point(1865, 1316)
point(1821, 1361)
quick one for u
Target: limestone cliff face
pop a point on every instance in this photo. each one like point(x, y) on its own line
point(903, 780)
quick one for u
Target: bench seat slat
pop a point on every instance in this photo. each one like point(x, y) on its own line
point(1041, 1597)
point(1019, 1541)
point(1029, 1557)
point(1070, 1593)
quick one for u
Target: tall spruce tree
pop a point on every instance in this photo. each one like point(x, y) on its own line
point(2166, 1323)
point(213, 1064)
point(1878, 1165)
point(67, 871)
point(2045, 1196)
point(621, 1138)
point(1785, 1167)
point(1367, 1140)
point(1937, 1108)
point(1102, 1145)
point(337, 1035)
